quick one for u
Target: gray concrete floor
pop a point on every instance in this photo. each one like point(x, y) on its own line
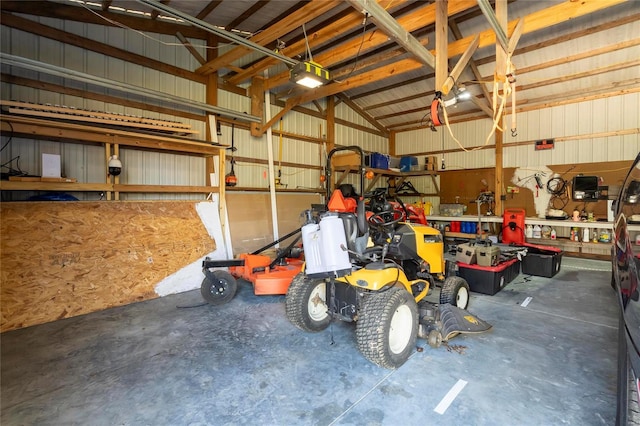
point(153, 363)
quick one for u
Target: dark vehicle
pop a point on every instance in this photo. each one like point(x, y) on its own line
point(625, 265)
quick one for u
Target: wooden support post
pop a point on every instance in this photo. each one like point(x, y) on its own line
point(107, 155)
point(212, 99)
point(256, 92)
point(501, 66)
point(392, 142)
point(499, 175)
point(331, 130)
point(442, 41)
point(116, 181)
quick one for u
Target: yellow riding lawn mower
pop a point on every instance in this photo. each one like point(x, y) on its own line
point(375, 269)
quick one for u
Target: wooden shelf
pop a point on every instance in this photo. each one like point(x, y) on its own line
point(109, 137)
point(61, 131)
point(465, 218)
point(378, 173)
point(103, 187)
point(580, 248)
point(449, 234)
point(292, 190)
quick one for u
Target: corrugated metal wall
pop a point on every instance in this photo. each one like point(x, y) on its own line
point(585, 132)
point(87, 164)
point(596, 131)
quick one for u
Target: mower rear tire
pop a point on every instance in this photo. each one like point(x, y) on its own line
point(220, 289)
point(306, 304)
point(455, 291)
point(387, 327)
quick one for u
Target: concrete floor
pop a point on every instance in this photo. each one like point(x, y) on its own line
point(155, 363)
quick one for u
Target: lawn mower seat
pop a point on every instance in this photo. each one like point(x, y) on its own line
point(348, 191)
point(356, 243)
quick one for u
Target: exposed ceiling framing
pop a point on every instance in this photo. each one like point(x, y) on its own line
point(380, 62)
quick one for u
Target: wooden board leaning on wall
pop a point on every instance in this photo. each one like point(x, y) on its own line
point(62, 259)
point(467, 184)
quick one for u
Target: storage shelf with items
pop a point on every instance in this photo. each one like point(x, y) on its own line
point(376, 167)
point(112, 139)
point(466, 226)
point(592, 239)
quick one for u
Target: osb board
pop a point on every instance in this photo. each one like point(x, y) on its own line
point(62, 259)
point(467, 184)
point(250, 221)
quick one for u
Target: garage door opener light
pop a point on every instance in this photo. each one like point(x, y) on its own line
point(309, 74)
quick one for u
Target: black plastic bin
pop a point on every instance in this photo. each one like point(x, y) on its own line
point(542, 261)
point(489, 279)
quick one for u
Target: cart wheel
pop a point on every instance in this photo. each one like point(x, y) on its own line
point(218, 287)
point(434, 339)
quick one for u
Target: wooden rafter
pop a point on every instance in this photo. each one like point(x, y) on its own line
point(210, 7)
point(310, 11)
point(246, 14)
point(322, 35)
point(80, 14)
point(155, 13)
point(18, 22)
point(190, 48)
point(355, 107)
point(472, 65)
point(479, 79)
point(417, 19)
point(533, 22)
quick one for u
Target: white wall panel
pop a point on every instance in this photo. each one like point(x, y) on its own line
point(565, 121)
point(87, 163)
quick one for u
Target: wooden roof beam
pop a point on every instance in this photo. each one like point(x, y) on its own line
point(208, 9)
point(342, 25)
point(393, 29)
point(372, 120)
point(419, 18)
point(312, 10)
point(533, 22)
point(246, 14)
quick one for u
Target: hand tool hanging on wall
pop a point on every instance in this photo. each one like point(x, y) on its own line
point(230, 179)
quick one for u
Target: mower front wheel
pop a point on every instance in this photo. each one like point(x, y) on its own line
point(218, 287)
point(455, 291)
point(387, 329)
point(306, 304)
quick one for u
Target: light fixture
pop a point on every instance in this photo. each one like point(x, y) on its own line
point(462, 94)
point(309, 74)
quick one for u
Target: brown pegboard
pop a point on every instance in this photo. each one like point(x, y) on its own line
point(467, 184)
point(62, 259)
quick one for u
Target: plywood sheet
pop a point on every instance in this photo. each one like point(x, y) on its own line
point(62, 259)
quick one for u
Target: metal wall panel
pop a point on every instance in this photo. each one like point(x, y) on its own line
point(598, 117)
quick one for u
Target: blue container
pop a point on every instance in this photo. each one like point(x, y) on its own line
point(406, 163)
point(378, 161)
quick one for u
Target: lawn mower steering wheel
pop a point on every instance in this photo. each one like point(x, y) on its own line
point(378, 220)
